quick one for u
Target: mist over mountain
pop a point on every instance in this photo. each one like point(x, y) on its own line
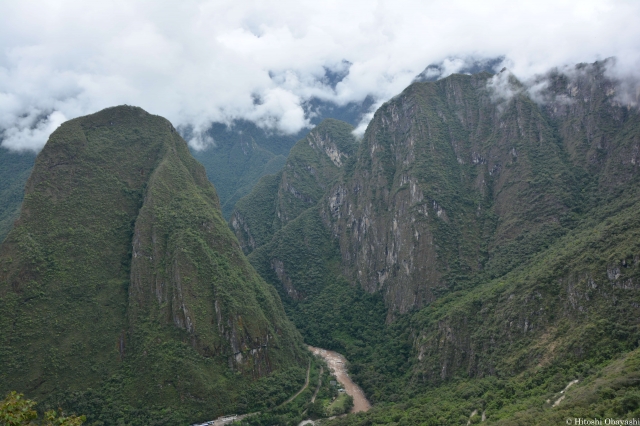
point(242, 152)
point(55, 67)
point(468, 65)
point(445, 193)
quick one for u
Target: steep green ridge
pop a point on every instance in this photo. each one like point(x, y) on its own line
point(124, 295)
point(313, 163)
point(498, 228)
point(14, 171)
point(240, 156)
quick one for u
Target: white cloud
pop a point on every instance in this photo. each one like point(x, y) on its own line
point(503, 86)
point(30, 131)
point(196, 62)
point(626, 72)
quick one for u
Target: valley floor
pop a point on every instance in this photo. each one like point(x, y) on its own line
point(337, 364)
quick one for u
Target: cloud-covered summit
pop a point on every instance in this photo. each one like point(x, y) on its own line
point(468, 65)
point(196, 62)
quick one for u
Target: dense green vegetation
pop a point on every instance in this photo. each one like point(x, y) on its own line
point(606, 390)
point(15, 410)
point(14, 171)
point(124, 295)
point(309, 171)
point(471, 257)
point(478, 253)
point(318, 400)
point(240, 156)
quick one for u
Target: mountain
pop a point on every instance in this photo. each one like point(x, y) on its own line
point(124, 295)
point(243, 152)
point(457, 65)
point(240, 154)
point(313, 163)
point(478, 252)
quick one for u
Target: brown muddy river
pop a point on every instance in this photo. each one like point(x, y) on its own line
point(337, 364)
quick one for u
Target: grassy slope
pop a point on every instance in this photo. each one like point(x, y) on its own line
point(105, 341)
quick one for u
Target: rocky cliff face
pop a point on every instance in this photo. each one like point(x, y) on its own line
point(596, 121)
point(444, 176)
point(121, 265)
point(568, 300)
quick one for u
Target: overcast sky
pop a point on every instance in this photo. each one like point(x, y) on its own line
point(195, 62)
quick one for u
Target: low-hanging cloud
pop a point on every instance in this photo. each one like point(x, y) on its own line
point(29, 132)
point(561, 85)
point(627, 79)
point(198, 62)
point(503, 86)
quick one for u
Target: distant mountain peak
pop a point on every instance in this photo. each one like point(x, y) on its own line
point(455, 65)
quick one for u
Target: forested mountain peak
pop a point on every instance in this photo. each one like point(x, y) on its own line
point(121, 285)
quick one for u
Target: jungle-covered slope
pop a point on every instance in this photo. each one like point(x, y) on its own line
point(123, 293)
point(242, 152)
point(484, 237)
point(14, 172)
point(312, 165)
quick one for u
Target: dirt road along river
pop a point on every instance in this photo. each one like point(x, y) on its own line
point(337, 364)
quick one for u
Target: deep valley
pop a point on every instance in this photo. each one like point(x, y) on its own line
point(475, 257)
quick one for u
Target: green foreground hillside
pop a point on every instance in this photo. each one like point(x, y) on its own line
point(477, 254)
point(123, 294)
